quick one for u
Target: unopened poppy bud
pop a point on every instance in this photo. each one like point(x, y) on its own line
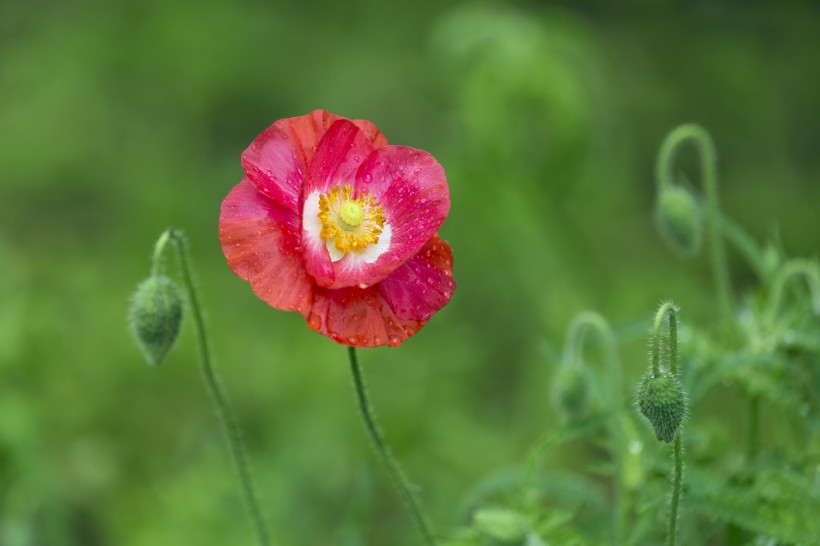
point(156, 314)
point(662, 400)
point(679, 220)
point(571, 392)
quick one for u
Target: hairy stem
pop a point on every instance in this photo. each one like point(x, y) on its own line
point(574, 346)
point(573, 356)
point(676, 487)
point(791, 269)
point(384, 453)
point(230, 426)
point(708, 161)
point(745, 245)
point(667, 308)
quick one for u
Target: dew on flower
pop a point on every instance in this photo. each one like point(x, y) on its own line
point(358, 239)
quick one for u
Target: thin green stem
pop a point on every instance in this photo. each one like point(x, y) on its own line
point(384, 453)
point(754, 427)
point(708, 161)
point(676, 488)
point(158, 259)
point(745, 245)
point(667, 308)
point(574, 347)
point(550, 440)
point(807, 268)
point(230, 426)
point(573, 356)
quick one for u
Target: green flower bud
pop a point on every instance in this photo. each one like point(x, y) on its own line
point(156, 314)
point(679, 220)
point(570, 392)
point(662, 400)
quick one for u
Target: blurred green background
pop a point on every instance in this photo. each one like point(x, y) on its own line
point(118, 119)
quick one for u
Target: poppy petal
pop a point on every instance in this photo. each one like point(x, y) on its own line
point(423, 285)
point(317, 257)
point(307, 131)
point(412, 189)
point(391, 311)
point(278, 159)
point(260, 240)
point(272, 165)
point(340, 152)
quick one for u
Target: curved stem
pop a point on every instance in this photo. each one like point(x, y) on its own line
point(676, 487)
point(574, 346)
point(745, 245)
point(384, 453)
point(708, 161)
point(157, 260)
point(230, 426)
point(667, 308)
point(548, 441)
point(790, 269)
point(573, 356)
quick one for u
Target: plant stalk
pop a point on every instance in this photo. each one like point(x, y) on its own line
point(230, 426)
point(708, 161)
point(389, 462)
point(676, 487)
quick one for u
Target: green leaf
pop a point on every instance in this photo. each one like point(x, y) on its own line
point(502, 524)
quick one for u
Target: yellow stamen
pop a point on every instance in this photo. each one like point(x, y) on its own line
point(352, 223)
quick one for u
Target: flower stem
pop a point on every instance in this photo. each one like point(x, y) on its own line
point(574, 345)
point(668, 308)
point(573, 356)
point(384, 453)
point(754, 427)
point(745, 245)
point(230, 426)
point(789, 270)
point(708, 160)
point(676, 487)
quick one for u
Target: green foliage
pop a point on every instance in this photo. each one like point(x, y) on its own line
point(776, 503)
point(120, 118)
point(571, 392)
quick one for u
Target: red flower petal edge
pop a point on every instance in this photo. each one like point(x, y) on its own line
point(381, 277)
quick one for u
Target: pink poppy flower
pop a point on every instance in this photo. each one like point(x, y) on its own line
point(332, 222)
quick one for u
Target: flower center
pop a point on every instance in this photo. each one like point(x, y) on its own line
point(352, 223)
point(351, 214)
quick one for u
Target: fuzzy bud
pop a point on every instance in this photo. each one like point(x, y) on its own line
point(679, 220)
point(570, 392)
point(156, 315)
point(662, 400)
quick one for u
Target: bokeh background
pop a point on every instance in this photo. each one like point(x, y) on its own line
point(119, 119)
